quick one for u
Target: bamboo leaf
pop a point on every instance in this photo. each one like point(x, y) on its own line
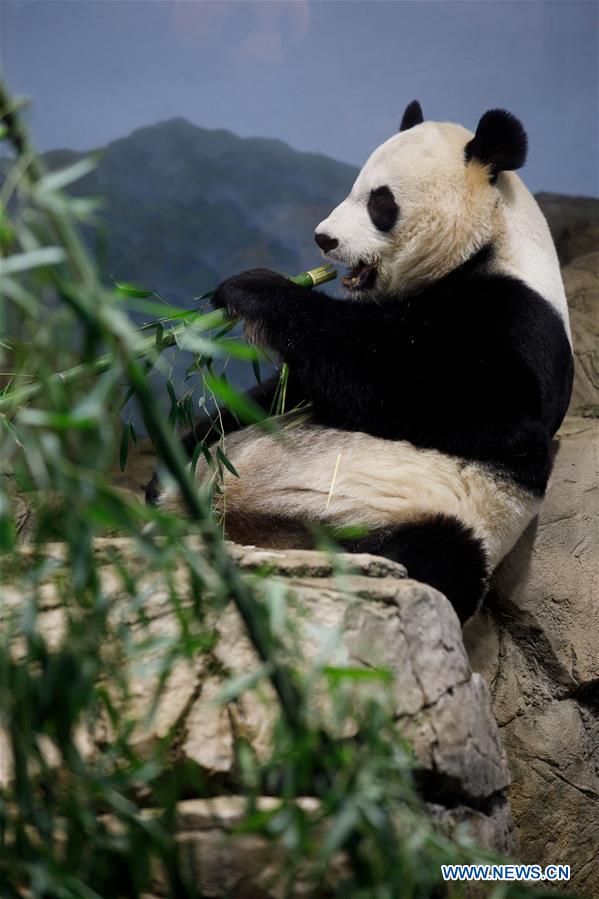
point(171, 392)
point(196, 455)
point(57, 421)
point(7, 527)
point(165, 311)
point(32, 259)
point(242, 405)
point(133, 434)
point(124, 447)
point(15, 291)
point(226, 462)
point(236, 686)
point(132, 290)
point(343, 825)
point(81, 208)
point(61, 178)
point(337, 674)
point(195, 343)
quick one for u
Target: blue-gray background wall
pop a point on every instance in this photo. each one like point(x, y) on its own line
point(330, 77)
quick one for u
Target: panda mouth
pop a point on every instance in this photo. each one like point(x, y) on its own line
point(361, 277)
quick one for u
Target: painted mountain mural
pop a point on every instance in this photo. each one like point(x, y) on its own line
point(185, 206)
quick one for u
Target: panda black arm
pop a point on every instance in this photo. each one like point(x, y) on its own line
point(338, 350)
point(348, 357)
point(276, 311)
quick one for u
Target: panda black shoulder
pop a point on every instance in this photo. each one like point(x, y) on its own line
point(500, 311)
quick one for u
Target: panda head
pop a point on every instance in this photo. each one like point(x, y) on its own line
point(425, 201)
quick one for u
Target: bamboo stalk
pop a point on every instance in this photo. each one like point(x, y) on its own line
point(16, 398)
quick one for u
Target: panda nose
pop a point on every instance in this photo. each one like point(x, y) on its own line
point(325, 242)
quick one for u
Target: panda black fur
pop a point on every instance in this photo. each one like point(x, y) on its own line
point(436, 389)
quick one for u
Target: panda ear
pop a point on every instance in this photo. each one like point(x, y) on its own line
point(412, 116)
point(500, 142)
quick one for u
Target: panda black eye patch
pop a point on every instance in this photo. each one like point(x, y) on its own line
point(382, 208)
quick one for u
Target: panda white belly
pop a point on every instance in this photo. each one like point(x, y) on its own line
point(314, 474)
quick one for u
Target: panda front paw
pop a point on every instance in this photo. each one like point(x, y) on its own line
point(251, 294)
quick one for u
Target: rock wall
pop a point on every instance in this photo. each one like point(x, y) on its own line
point(573, 222)
point(536, 642)
point(581, 280)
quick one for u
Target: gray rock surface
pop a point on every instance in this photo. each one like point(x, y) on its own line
point(573, 222)
point(581, 280)
point(225, 864)
point(374, 616)
point(537, 644)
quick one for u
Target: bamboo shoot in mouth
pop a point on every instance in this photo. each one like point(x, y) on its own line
point(315, 276)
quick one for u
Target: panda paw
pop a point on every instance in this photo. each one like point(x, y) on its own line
point(251, 294)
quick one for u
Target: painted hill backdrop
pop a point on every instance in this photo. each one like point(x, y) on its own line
point(186, 206)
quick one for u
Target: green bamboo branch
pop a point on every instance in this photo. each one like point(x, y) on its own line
point(145, 348)
point(17, 397)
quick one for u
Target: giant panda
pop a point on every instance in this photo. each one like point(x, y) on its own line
point(435, 387)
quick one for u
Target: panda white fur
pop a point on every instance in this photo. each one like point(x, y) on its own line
point(435, 387)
